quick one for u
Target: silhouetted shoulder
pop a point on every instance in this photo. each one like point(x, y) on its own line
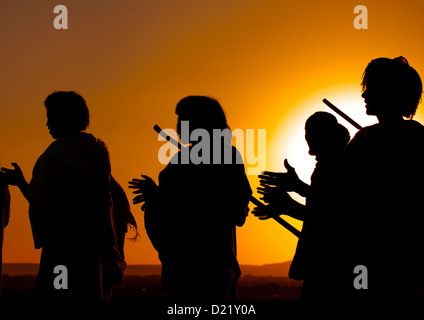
point(361, 138)
point(414, 127)
point(364, 133)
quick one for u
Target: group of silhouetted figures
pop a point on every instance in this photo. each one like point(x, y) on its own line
point(363, 206)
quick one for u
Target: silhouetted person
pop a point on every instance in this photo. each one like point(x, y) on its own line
point(191, 217)
point(326, 139)
point(381, 185)
point(4, 220)
point(376, 194)
point(70, 204)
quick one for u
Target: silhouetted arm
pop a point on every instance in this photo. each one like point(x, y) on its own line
point(279, 202)
point(145, 189)
point(15, 177)
point(286, 181)
point(4, 206)
point(147, 193)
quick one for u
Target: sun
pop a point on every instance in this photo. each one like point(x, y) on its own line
point(288, 141)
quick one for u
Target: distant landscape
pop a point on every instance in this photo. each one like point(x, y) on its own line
point(143, 282)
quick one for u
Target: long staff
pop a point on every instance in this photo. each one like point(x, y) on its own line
point(252, 199)
point(342, 114)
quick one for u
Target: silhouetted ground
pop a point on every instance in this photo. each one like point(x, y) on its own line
point(148, 288)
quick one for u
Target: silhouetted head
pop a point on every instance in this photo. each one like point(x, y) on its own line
point(391, 88)
point(67, 113)
point(201, 112)
point(326, 137)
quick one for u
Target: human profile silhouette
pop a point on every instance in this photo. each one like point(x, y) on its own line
point(70, 205)
point(191, 216)
point(326, 139)
point(376, 193)
point(380, 185)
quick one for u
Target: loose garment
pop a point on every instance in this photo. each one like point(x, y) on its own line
point(192, 222)
point(71, 215)
point(380, 212)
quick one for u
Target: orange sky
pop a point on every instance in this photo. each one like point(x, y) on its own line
point(269, 63)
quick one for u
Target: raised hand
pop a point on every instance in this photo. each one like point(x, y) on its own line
point(13, 177)
point(278, 201)
point(288, 181)
point(275, 196)
point(265, 212)
point(145, 189)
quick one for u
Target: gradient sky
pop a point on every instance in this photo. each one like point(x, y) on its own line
point(269, 63)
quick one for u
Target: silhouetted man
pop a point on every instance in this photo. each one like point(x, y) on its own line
point(376, 195)
point(326, 139)
point(70, 205)
point(191, 217)
point(381, 185)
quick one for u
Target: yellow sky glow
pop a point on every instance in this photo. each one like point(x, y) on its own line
point(269, 63)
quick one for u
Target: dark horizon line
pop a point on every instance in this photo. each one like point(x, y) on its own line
point(279, 269)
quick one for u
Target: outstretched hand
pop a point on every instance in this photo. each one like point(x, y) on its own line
point(277, 197)
point(277, 201)
point(288, 181)
point(265, 212)
point(145, 189)
point(13, 177)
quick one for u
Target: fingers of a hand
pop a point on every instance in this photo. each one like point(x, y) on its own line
point(134, 181)
point(140, 196)
point(138, 191)
point(267, 178)
point(265, 182)
point(134, 187)
point(270, 174)
point(147, 178)
point(137, 181)
point(259, 213)
point(266, 197)
point(137, 184)
point(264, 210)
point(264, 218)
point(138, 199)
point(267, 189)
point(288, 167)
point(15, 165)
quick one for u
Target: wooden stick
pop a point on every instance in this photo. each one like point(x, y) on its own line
point(168, 137)
point(342, 114)
point(280, 220)
point(255, 201)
